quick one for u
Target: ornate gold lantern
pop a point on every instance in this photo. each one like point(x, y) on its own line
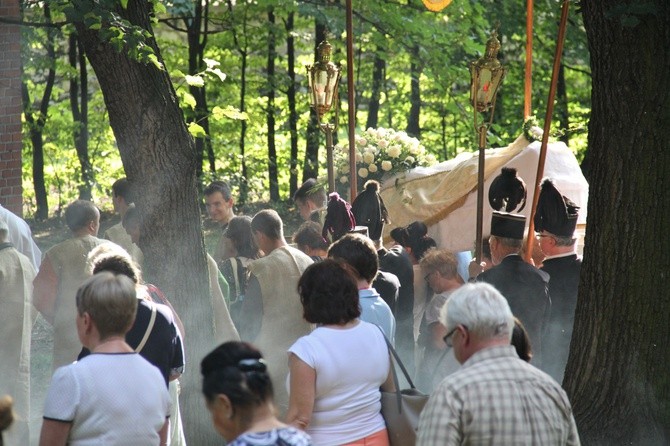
point(324, 78)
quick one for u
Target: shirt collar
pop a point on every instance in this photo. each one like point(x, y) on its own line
point(367, 292)
point(558, 256)
point(496, 352)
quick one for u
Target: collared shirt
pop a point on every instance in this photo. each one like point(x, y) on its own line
point(558, 256)
point(375, 311)
point(498, 399)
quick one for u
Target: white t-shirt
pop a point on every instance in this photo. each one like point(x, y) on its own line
point(111, 399)
point(350, 366)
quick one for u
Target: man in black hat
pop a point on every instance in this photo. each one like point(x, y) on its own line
point(555, 222)
point(524, 286)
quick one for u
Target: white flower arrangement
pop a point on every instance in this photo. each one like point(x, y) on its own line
point(381, 152)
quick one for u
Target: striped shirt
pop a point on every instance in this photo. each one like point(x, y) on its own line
point(495, 398)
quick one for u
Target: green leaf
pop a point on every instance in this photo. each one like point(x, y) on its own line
point(124, 4)
point(194, 80)
point(159, 8)
point(189, 100)
point(196, 130)
point(154, 60)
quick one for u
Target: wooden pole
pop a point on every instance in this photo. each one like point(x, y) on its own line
point(528, 81)
point(547, 125)
point(353, 176)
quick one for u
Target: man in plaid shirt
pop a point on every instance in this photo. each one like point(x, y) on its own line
point(495, 398)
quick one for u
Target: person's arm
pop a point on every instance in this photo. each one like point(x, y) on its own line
point(163, 433)
point(389, 385)
point(223, 323)
point(54, 433)
point(252, 310)
point(45, 288)
point(302, 392)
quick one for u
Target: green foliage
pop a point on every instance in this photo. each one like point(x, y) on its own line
point(441, 44)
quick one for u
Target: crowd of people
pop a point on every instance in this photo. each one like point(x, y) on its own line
point(303, 327)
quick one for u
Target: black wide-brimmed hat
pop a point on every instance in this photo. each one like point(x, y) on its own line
point(508, 225)
point(555, 213)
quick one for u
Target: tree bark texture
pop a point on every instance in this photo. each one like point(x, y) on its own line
point(273, 163)
point(159, 158)
point(290, 94)
point(79, 110)
point(413, 124)
point(311, 167)
point(617, 374)
point(378, 71)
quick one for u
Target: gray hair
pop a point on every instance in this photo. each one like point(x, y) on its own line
point(509, 242)
point(481, 308)
point(564, 240)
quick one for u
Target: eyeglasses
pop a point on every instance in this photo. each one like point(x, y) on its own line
point(448, 337)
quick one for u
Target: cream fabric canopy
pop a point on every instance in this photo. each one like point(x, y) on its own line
point(444, 196)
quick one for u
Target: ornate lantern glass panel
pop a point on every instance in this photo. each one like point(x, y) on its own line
point(324, 77)
point(486, 75)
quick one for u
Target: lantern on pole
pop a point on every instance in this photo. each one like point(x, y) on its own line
point(324, 78)
point(486, 75)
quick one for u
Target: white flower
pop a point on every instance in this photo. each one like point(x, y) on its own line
point(372, 168)
point(363, 172)
point(371, 132)
point(415, 148)
point(430, 159)
point(382, 144)
point(394, 151)
point(359, 157)
point(361, 142)
point(343, 179)
point(537, 132)
point(410, 159)
point(386, 166)
point(381, 132)
point(368, 157)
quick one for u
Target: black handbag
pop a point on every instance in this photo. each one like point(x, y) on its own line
point(401, 409)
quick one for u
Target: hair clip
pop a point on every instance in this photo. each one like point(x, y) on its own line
point(252, 365)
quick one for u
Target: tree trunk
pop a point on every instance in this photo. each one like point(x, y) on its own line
point(617, 372)
point(293, 113)
point(197, 42)
point(270, 113)
point(375, 94)
point(562, 113)
point(310, 168)
point(36, 122)
point(79, 110)
point(159, 158)
point(413, 125)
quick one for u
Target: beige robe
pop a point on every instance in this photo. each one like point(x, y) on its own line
point(70, 263)
point(16, 322)
point(224, 328)
point(118, 235)
point(282, 322)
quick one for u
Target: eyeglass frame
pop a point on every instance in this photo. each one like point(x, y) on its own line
point(447, 338)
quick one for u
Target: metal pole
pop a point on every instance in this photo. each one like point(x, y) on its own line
point(480, 191)
point(328, 130)
point(547, 125)
point(352, 102)
point(528, 81)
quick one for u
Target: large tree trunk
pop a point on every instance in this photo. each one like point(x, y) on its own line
point(79, 110)
point(311, 167)
point(36, 120)
point(273, 169)
point(159, 158)
point(292, 112)
point(378, 71)
point(617, 372)
point(413, 124)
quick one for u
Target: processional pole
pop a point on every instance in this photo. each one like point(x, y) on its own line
point(528, 80)
point(353, 179)
point(547, 126)
point(486, 75)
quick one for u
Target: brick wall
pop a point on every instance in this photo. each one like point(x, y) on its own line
point(10, 109)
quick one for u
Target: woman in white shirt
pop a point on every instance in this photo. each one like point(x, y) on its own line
point(113, 396)
point(336, 371)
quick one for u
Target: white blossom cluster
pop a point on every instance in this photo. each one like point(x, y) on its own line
point(383, 151)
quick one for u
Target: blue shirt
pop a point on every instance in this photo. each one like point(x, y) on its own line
point(375, 311)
